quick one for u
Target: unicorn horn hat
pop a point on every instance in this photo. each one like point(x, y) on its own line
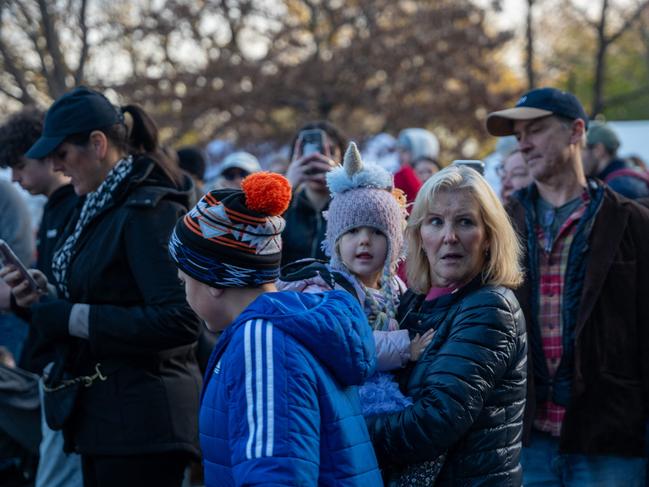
point(362, 196)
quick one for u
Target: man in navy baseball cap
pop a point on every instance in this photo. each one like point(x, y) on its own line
point(538, 103)
point(81, 110)
point(586, 253)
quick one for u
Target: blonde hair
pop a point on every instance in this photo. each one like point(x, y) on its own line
point(502, 267)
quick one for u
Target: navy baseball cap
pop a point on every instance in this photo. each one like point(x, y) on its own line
point(538, 103)
point(78, 111)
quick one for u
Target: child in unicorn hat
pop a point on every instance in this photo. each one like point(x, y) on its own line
point(364, 240)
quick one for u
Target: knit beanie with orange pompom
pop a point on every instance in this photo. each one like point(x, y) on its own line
point(232, 238)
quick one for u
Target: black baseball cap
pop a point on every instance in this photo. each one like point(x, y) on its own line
point(78, 111)
point(537, 103)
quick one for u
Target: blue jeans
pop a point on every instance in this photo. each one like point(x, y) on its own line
point(543, 465)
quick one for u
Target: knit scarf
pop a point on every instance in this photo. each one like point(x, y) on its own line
point(95, 203)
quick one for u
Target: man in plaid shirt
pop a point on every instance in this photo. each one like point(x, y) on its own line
point(586, 303)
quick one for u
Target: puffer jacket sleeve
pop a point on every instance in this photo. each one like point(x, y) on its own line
point(273, 412)
point(164, 320)
point(392, 349)
point(456, 377)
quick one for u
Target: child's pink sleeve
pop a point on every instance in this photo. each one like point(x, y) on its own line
point(392, 349)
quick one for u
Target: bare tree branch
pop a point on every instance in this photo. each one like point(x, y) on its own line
point(57, 80)
point(628, 22)
point(83, 55)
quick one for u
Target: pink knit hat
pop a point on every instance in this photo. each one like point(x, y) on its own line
point(362, 196)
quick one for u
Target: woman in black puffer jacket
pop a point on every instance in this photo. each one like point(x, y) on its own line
point(468, 388)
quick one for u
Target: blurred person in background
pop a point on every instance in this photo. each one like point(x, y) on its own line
point(413, 144)
point(381, 149)
point(17, 458)
point(38, 177)
point(601, 161)
point(117, 313)
point(234, 169)
point(425, 167)
point(310, 162)
point(192, 161)
point(636, 161)
point(514, 174)
point(16, 230)
point(215, 152)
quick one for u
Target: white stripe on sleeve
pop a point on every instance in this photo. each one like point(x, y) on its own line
point(249, 399)
point(259, 383)
point(259, 370)
point(270, 401)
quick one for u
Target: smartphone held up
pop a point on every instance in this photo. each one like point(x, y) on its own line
point(313, 141)
point(475, 164)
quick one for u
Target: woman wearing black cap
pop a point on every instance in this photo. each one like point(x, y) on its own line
point(118, 311)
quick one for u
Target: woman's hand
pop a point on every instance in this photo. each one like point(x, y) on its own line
point(419, 343)
point(25, 295)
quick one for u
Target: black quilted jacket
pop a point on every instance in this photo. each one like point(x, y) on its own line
point(468, 389)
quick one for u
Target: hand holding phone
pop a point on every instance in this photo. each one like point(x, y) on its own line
point(8, 257)
point(311, 158)
point(24, 286)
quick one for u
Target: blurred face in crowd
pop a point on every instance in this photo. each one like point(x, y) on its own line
point(405, 156)
point(425, 168)
point(454, 238)
point(231, 178)
point(514, 175)
point(595, 158)
point(36, 177)
point(363, 250)
point(546, 144)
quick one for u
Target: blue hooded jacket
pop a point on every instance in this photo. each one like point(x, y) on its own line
point(279, 405)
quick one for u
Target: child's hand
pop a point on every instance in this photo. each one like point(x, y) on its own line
point(419, 344)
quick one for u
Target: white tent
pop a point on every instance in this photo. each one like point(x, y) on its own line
point(634, 138)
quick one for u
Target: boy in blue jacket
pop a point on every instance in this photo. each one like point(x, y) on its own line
point(279, 403)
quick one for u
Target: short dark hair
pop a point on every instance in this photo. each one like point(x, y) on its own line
point(18, 134)
point(330, 129)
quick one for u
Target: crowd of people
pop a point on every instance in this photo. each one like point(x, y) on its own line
point(348, 319)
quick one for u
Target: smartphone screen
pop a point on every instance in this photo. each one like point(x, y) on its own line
point(312, 141)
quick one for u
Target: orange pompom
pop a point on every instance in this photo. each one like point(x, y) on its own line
point(267, 193)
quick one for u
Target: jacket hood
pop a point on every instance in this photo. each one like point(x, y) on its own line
point(148, 184)
point(332, 326)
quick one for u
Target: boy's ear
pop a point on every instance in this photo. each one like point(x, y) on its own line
point(215, 292)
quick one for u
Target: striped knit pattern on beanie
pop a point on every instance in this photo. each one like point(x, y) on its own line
point(362, 197)
point(232, 238)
